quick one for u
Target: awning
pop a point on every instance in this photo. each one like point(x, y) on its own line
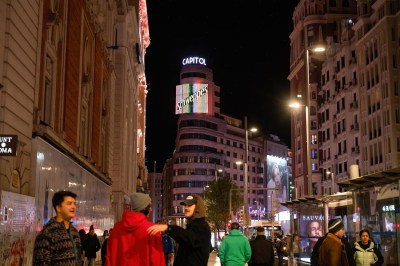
point(339, 199)
point(375, 179)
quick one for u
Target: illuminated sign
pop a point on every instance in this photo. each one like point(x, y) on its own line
point(194, 61)
point(8, 145)
point(191, 98)
point(388, 208)
point(312, 217)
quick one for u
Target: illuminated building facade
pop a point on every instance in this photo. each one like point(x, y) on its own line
point(209, 143)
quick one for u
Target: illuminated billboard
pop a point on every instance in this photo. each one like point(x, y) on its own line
point(278, 178)
point(191, 98)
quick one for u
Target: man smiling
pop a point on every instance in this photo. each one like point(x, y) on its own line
point(59, 242)
point(194, 241)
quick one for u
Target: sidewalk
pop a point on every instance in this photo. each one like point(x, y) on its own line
point(214, 261)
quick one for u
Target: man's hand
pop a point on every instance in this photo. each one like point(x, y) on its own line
point(152, 230)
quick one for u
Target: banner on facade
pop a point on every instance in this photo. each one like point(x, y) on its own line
point(8, 145)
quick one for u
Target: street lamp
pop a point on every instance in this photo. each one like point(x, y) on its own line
point(332, 175)
point(216, 171)
point(204, 191)
point(246, 177)
point(317, 49)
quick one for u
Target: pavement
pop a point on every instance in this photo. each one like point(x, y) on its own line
point(214, 261)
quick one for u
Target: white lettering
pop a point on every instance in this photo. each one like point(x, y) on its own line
point(191, 98)
point(5, 150)
point(312, 217)
point(5, 139)
point(194, 60)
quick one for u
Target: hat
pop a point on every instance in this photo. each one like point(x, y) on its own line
point(190, 200)
point(335, 225)
point(91, 228)
point(260, 229)
point(139, 201)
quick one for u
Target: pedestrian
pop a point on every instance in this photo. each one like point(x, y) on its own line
point(91, 245)
point(194, 242)
point(59, 243)
point(82, 235)
point(332, 251)
point(262, 250)
point(295, 245)
point(130, 243)
point(168, 245)
point(365, 252)
point(235, 249)
point(104, 247)
point(315, 251)
point(281, 249)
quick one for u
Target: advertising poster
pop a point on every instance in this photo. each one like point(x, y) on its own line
point(311, 228)
point(191, 98)
point(17, 233)
point(277, 177)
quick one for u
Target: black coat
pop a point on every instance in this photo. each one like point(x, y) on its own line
point(262, 252)
point(194, 243)
point(91, 245)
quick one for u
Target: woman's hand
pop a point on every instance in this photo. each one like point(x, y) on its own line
point(152, 230)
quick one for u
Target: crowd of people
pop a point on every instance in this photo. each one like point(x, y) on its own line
point(137, 241)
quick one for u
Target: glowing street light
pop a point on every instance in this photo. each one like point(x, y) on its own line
point(307, 105)
point(246, 177)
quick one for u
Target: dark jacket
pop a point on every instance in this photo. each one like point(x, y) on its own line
point(91, 245)
point(262, 252)
point(315, 251)
point(55, 245)
point(104, 248)
point(332, 252)
point(195, 241)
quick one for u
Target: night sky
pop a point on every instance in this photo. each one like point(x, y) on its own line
point(246, 44)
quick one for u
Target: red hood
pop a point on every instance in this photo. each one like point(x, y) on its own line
point(131, 221)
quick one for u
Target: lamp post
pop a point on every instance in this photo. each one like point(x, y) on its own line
point(204, 191)
point(216, 171)
point(308, 131)
point(246, 177)
point(332, 175)
point(307, 105)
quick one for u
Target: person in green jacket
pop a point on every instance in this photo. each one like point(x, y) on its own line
point(235, 249)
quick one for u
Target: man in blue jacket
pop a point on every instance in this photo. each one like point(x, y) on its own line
point(235, 248)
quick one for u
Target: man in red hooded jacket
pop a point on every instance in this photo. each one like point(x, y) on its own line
point(130, 243)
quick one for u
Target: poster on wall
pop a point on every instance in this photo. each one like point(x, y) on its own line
point(311, 229)
point(17, 234)
point(277, 177)
point(191, 98)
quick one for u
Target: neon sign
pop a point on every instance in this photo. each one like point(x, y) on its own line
point(194, 60)
point(388, 208)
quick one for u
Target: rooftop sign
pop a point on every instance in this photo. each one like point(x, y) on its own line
point(194, 61)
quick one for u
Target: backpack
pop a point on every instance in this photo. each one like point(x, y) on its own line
point(281, 247)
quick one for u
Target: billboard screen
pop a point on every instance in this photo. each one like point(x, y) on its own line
point(191, 98)
point(278, 177)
